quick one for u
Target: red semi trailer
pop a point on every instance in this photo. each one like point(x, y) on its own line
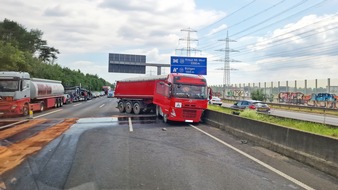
point(19, 93)
point(175, 97)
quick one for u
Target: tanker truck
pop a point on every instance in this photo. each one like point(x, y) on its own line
point(19, 93)
point(174, 97)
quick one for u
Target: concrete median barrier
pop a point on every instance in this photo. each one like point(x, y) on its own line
point(315, 150)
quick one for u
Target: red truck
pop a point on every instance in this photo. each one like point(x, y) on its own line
point(19, 93)
point(175, 97)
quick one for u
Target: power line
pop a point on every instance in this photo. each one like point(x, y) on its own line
point(251, 17)
point(316, 5)
point(188, 39)
point(304, 10)
point(227, 16)
point(311, 7)
point(226, 68)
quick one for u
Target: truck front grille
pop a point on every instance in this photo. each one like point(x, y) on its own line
point(189, 113)
point(189, 105)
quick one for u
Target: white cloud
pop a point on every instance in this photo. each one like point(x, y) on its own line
point(87, 30)
point(215, 30)
point(310, 35)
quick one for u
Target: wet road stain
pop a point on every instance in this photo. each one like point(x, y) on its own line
point(19, 128)
point(29, 132)
point(21, 141)
point(12, 155)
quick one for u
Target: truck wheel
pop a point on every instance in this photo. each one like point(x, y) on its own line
point(121, 107)
point(159, 112)
point(56, 103)
point(165, 118)
point(42, 107)
point(25, 110)
point(61, 102)
point(129, 107)
point(137, 108)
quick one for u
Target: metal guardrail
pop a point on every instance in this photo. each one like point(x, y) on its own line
point(304, 107)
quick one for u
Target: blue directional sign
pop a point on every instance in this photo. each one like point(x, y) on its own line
point(190, 65)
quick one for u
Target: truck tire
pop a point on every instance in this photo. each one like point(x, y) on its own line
point(137, 108)
point(129, 107)
point(42, 106)
point(159, 112)
point(59, 102)
point(56, 103)
point(165, 118)
point(121, 107)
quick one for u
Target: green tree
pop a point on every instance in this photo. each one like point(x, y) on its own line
point(27, 41)
point(258, 95)
point(11, 58)
point(23, 50)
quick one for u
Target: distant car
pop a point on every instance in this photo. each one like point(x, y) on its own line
point(96, 94)
point(215, 100)
point(110, 94)
point(259, 106)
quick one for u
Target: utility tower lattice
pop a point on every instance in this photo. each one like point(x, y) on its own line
point(227, 60)
point(188, 40)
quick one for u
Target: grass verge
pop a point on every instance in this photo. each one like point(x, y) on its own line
point(311, 127)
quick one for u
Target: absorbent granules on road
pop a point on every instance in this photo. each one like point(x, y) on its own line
point(14, 154)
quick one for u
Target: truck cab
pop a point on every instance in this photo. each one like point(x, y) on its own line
point(14, 85)
point(181, 97)
point(14, 91)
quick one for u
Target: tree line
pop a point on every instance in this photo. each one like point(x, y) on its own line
point(24, 50)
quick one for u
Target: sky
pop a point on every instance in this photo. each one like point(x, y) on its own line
point(273, 40)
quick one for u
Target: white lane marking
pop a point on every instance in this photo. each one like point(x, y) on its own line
point(12, 124)
point(48, 113)
point(77, 104)
point(88, 100)
point(257, 161)
point(130, 125)
point(101, 105)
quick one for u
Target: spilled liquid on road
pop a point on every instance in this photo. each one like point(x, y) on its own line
point(14, 153)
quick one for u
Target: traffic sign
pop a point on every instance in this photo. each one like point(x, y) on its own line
point(127, 63)
point(190, 65)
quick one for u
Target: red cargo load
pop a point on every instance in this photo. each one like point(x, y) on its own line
point(139, 88)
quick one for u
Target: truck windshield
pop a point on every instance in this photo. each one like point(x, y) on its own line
point(189, 91)
point(9, 85)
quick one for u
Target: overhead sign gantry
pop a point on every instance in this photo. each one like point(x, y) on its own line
point(136, 64)
point(129, 63)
